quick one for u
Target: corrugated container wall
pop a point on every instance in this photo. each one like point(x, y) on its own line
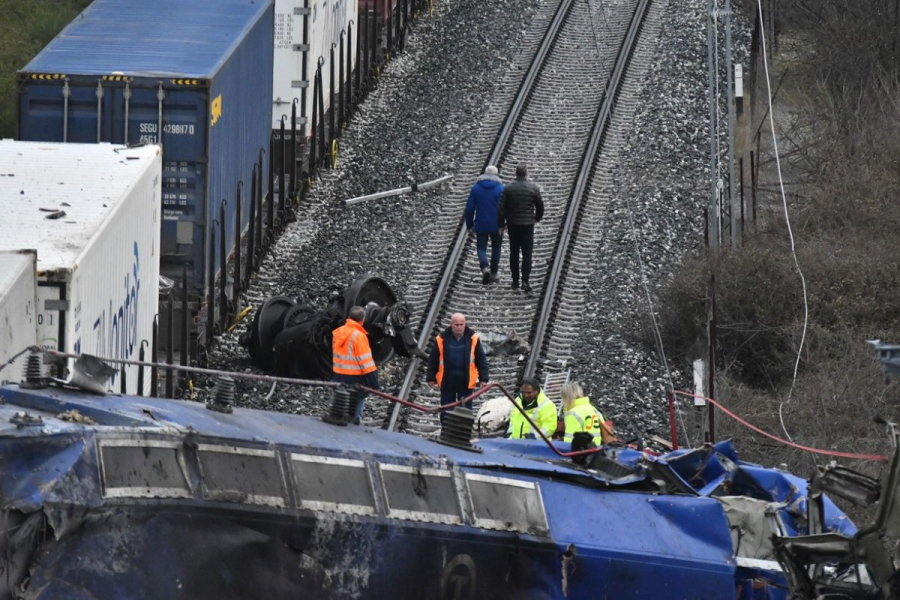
point(92, 212)
point(199, 71)
point(304, 33)
point(18, 318)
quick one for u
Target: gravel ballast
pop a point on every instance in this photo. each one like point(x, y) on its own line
point(417, 125)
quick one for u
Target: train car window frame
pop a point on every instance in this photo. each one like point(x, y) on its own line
point(185, 491)
point(236, 496)
point(409, 515)
point(338, 507)
point(540, 511)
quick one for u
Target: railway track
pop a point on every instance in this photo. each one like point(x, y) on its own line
point(567, 123)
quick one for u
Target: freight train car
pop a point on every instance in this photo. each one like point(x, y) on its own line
point(18, 320)
point(192, 75)
point(305, 32)
point(91, 211)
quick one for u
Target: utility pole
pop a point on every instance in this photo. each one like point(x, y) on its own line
point(714, 233)
point(735, 227)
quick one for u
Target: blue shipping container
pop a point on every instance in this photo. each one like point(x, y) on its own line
point(199, 71)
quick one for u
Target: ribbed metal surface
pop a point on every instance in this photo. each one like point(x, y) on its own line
point(150, 38)
point(551, 135)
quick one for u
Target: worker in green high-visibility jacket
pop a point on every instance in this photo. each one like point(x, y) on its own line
point(538, 406)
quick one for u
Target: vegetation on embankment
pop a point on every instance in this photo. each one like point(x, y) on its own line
point(26, 27)
point(838, 122)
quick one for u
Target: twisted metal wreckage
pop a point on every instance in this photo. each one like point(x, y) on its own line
point(115, 496)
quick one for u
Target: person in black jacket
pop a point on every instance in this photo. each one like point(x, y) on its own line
point(521, 206)
point(457, 363)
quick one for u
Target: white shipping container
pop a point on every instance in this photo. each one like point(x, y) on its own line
point(326, 21)
point(92, 212)
point(18, 318)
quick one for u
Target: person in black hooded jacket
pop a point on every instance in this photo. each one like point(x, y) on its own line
point(521, 206)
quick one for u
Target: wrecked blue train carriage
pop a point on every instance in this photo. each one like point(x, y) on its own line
point(129, 497)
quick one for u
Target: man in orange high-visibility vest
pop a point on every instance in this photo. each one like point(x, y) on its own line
point(352, 361)
point(457, 363)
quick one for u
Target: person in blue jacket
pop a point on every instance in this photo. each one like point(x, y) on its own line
point(481, 215)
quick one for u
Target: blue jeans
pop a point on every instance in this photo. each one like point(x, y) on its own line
point(481, 240)
point(450, 395)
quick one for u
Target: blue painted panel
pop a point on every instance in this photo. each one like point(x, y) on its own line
point(153, 38)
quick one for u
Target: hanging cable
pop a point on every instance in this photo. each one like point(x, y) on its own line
point(657, 336)
point(787, 220)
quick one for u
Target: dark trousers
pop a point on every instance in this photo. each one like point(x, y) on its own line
point(481, 240)
point(450, 395)
point(521, 237)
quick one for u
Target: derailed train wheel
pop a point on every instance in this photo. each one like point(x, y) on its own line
point(267, 324)
point(373, 294)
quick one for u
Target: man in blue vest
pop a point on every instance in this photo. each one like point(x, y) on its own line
point(457, 364)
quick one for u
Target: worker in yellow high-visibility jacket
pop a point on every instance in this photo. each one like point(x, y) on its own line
point(580, 415)
point(539, 408)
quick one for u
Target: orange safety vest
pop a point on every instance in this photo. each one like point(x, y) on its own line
point(350, 350)
point(473, 370)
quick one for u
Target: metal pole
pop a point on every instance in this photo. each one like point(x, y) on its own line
point(141, 357)
point(389, 24)
point(331, 105)
point(236, 291)
point(154, 350)
point(293, 153)
point(713, 132)
point(223, 269)
point(753, 186)
point(270, 221)
point(350, 69)
point(672, 425)
point(251, 230)
point(741, 180)
point(126, 95)
point(259, 207)
point(211, 289)
point(314, 132)
point(712, 358)
point(322, 148)
point(123, 383)
point(342, 87)
point(99, 94)
point(281, 182)
point(170, 348)
point(66, 92)
point(729, 67)
point(360, 55)
point(305, 68)
point(185, 325)
point(373, 42)
point(706, 227)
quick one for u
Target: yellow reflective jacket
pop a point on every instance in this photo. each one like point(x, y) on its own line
point(582, 416)
point(544, 415)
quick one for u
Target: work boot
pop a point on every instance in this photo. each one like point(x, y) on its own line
point(485, 275)
point(514, 285)
point(526, 288)
point(495, 276)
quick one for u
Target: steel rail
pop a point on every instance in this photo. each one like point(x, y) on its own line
point(601, 122)
point(452, 263)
